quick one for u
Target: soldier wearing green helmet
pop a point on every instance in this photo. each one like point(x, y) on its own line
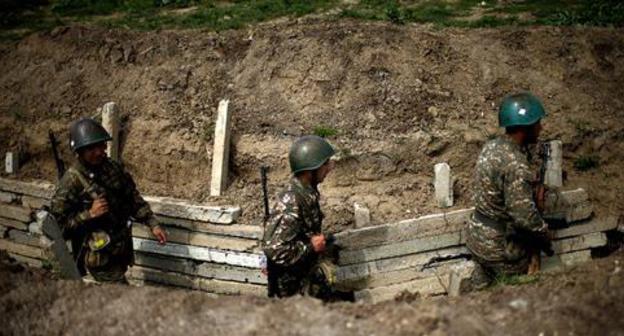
point(506, 225)
point(94, 202)
point(293, 241)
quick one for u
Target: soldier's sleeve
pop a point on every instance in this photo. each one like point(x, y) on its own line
point(519, 199)
point(66, 204)
point(283, 245)
point(142, 212)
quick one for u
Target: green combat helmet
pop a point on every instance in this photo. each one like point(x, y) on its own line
point(85, 132)
point(520, 109)
point(309, 153)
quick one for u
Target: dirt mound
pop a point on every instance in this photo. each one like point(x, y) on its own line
point(401, 98)
point(588, 300)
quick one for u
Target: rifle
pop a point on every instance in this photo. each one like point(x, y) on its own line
point(265, 194)
point(60, 165)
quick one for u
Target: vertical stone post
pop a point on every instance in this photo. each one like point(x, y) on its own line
point(111, 122)
point(443, 184)
point(221, 151)
point(362, 215)
point(554, 173)
point(11, 162)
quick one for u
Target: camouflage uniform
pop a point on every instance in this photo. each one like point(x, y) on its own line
point(504, 208)
point(71, 204)
point(292, 262)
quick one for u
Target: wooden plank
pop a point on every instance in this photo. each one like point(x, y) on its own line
point(182, 209)
point(15, 212)
point(27, 260)
point(208, 285)
point(426, 286)
point(232, 273)
point(583, 242)
point(169, 264)
point(25, 250)
point(221, 150)
point(7, 197)
point(206, 270)
point(31, 202)
point(401, 276)
point(359, 271)
point(573, 202)
point(187, 237)
point(410, 229)
point(11, 223)
point(594, 225)
point(24, 238)
point(400, 248)
point(198, 253)
point(41, 189)
point(234, 230)
point(562, 261)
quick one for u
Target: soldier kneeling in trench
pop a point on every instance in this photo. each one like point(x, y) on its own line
point(93, 204)
point(299, 260)
point(507, 231)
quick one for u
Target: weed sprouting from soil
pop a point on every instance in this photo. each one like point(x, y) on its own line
point(325, 132)
point(514, 280)
point(586, 162)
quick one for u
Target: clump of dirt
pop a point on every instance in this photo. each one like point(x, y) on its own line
point(588, 300)
point(401, 99)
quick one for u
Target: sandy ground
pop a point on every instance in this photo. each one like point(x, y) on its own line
point(587, 300)
point(401, 98)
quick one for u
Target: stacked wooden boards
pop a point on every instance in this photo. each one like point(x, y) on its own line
point(419, 255)
point(206, 249)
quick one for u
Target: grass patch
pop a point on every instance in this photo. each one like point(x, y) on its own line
point(514, 280)
point(586, 162)
point(21, 17)
point(325, 132)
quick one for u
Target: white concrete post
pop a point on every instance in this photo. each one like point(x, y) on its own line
point(221, 151)
point(362, 215)
point(11, 162)
point(553, 176)
point(443, 184)
point(111, 122)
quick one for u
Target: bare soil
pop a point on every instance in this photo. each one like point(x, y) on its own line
point(401, 97)
point(588, 300)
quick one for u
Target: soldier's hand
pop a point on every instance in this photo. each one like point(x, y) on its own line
point(99, 207)
point(318, 243)
point(160, 234)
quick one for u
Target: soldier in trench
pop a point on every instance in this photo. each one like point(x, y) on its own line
point(506, 228)
point(298, 261)
point(94, 203)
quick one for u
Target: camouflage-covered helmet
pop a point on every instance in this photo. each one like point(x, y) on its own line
point(309, 152)
point(520, 109)
point(85, 132)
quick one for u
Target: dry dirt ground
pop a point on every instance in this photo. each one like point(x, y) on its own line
point(588, 300)
point(402, 98)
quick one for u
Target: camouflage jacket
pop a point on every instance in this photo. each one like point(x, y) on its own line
point(503, 186)
point(72, 200)
point(296, 217)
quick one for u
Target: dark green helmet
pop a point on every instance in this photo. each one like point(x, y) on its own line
point(85, 132)
point(309, 152)
point(520, 109)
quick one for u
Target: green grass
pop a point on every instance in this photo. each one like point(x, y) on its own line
point(586, 162)
point(514, 280)
point(325, 132)
point(20, 17)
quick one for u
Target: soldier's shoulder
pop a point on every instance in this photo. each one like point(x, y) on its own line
point(69, 180)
